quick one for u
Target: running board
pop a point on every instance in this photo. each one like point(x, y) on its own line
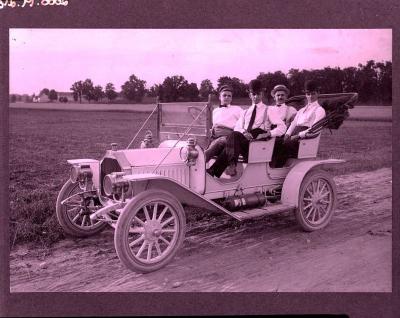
point(267, 210)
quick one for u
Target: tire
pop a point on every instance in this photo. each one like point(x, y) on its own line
point(317, 201)
point(155, 237)
point(74, 217)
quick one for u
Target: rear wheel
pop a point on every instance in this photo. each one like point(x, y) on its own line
point(317, 201)
point(74, 215)
point(149, 231)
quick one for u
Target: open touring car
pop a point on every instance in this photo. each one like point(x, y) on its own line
point(142, 192)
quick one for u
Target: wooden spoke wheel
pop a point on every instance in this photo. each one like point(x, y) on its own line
point(74, 215)
point(149, 231)
point(317, 200)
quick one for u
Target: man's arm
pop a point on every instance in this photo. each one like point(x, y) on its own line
point(291, 114)
point(293, 124)
point(240, 123)
point(275, 119)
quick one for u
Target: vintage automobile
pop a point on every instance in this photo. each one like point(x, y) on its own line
point(142, 192)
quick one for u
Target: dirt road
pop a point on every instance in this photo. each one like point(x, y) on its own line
point(220, 254)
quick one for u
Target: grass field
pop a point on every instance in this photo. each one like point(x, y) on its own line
point(380, 113)
point(41, 141)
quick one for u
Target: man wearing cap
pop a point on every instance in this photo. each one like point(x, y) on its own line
point(280, 93)
point(224, 119)
point(301, 124)
point(255, 122)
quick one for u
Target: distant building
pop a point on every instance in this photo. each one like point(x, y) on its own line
point(43, 98)
point(68, 95)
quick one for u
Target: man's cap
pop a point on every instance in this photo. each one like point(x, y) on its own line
point(278, 88)
point(255, 86)
point(225, 88)
point(311, 86)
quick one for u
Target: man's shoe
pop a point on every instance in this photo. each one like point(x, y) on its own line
point(231, 170)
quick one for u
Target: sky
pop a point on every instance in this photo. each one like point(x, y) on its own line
point(56, 58)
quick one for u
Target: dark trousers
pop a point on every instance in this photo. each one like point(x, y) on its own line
point(216, 146)
point(236, 144)
point(284, 150)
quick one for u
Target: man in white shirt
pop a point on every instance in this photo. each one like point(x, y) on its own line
point(224, 119)
point(305, 118)
point(254, 123)
point(280, 93)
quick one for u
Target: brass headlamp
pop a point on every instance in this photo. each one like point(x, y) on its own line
point(114, 184)
point(81, 174)
point(189, 154)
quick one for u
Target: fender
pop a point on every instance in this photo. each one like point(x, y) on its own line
point(185, 195)
point(292, 183)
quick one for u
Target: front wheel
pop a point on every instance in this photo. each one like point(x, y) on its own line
point(74, 215)
point(149, 231)
point(317, 201)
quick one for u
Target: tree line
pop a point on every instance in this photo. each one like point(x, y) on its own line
point(372, 81)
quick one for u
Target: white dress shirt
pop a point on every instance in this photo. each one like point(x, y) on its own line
point(226, 116)
point(307, 116)
point(285, 112)
point(265, 117)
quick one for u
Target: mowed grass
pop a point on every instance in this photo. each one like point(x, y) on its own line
point(41, 142)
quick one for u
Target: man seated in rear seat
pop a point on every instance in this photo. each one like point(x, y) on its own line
point(280, 93)
point(301, 124)
point(224, 120)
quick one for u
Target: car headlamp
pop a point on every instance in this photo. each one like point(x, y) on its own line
point(189, 154)
point(81, 173)
point(114, 184)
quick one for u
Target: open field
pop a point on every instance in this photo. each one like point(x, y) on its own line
point(380, 113)
point(41, 141)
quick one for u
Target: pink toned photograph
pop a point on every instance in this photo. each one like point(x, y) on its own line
point(200, 160)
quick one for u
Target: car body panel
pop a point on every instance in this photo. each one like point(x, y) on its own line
point(292, 183)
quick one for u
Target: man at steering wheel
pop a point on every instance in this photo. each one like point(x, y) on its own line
point(224, 120)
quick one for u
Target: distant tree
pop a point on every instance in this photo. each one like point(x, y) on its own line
point(134, 89)
point(19, 98)
point(110, 92)
point(296, 80)
point(44, 91)
point(270, 80)
point(88, 90)
point(206, 88)
point(77, 89)
point(349, 79)
point(13, 98)
point(53, 95)
point(174, 87)
point(238, 86)
point(367, 82)
point(384, 82)
point(98, 93)
point(191, 92)
point(156, 91)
